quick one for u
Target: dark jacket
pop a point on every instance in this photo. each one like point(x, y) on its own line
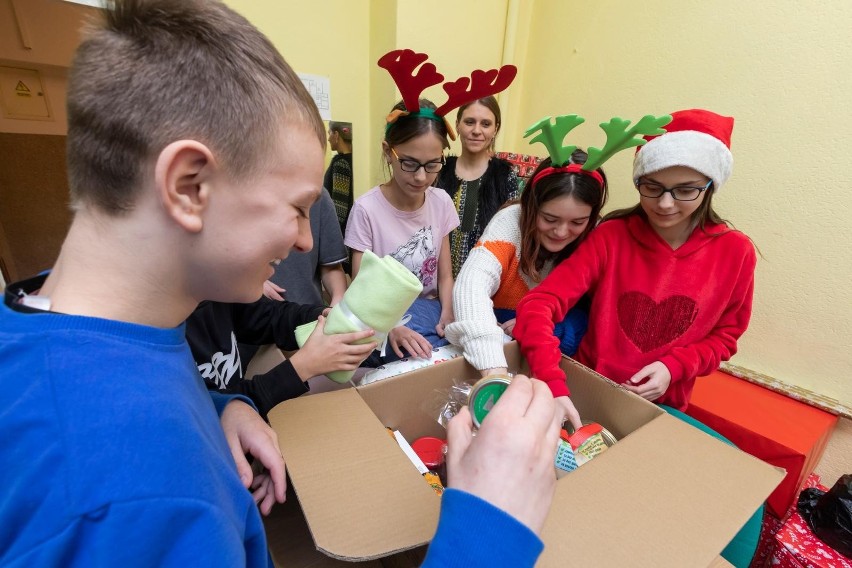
point(494, 190)
point(215, 329)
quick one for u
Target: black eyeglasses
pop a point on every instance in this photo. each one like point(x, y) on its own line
point(412, 166)
point(680, 193)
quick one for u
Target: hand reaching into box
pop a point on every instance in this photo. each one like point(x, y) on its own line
point(513, 449)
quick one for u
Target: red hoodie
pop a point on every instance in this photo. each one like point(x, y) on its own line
point(684, 307)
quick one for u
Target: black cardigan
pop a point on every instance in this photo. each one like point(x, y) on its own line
point(494, 190)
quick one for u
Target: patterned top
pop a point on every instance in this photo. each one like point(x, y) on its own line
point(411, 237)
point(338, 183)
point(468, 197)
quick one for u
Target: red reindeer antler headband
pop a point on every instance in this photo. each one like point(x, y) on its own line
point(402, 64)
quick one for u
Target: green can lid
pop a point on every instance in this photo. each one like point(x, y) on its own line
point(485, 395)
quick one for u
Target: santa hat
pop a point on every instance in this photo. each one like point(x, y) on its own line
point(696, 138)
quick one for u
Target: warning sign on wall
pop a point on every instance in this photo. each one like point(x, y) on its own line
point(22, 90)
point(22, 94)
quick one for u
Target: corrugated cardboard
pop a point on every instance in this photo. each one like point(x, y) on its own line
point(665, 495)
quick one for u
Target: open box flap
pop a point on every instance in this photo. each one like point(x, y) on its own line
point(361, 512)
point(410, 405)
point(606, 402)
point(647, 504)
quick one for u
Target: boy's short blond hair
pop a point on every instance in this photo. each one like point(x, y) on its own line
point(157, 71)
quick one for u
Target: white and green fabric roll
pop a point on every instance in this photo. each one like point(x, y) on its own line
point(377, 299)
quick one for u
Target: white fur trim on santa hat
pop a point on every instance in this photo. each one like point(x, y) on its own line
point(697, 150)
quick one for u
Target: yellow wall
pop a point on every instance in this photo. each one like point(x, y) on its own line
point(469, 37)
point(783, 72)
point(344, 40)
point(383, 23)
point(333, 41)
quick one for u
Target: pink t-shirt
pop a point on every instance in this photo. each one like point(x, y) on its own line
point(411, 237)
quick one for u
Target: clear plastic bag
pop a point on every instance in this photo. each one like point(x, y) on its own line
point(446, 403)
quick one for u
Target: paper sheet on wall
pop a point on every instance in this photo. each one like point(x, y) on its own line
point(320, 89)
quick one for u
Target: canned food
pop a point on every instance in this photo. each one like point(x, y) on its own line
point(485, 394)
point(432, 452)
point(589, 441)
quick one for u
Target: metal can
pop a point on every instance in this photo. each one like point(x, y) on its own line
point(607, 436)
point(485, 394)
point(589, 441)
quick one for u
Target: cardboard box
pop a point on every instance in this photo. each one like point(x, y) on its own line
point(665, 495)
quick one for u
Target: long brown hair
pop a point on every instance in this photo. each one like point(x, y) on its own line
point(581, 187)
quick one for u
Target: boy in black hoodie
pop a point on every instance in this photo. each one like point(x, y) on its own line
point(215, 329)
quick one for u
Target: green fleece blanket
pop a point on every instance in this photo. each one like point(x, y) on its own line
point(377, 299)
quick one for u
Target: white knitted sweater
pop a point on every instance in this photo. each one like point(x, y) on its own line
point(490, 278)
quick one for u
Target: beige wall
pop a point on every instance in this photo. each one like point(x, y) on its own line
point(44, 32)
point(51, 30)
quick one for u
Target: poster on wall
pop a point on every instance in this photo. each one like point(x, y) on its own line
point(320, 89)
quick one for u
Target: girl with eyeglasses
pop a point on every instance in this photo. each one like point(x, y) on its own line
point(410, 220)
point(671, 282)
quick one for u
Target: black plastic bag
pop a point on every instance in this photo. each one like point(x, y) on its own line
point(829, 514)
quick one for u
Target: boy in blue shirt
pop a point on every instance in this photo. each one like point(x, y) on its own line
point(194, 155)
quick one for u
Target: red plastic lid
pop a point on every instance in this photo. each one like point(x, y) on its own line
point(587, 431)
point(430, 450)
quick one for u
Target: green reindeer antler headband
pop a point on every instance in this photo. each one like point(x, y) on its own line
point(619, 136)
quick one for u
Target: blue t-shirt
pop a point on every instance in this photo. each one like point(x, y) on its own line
point(112, 455)
point(112, 451)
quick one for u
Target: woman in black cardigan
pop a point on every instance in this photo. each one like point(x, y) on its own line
point(478, 183)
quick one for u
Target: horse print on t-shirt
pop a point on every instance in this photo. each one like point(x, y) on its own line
point(420, 256)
